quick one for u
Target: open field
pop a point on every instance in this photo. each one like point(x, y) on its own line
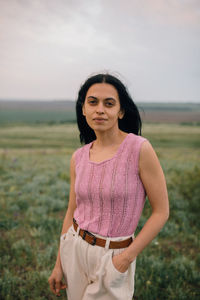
point(34, 187)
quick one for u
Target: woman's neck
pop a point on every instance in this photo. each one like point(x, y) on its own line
point(106, 139)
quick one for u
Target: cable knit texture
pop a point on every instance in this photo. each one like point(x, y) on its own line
point(110, 195)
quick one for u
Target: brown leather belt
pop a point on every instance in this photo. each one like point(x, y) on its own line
point(93, 240)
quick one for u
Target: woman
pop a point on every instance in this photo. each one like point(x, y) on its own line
point(110, 178)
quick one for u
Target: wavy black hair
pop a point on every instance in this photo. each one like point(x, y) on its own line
point(131, 121)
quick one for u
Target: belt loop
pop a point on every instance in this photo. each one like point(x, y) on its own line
point(107, 243)
point(78, 230)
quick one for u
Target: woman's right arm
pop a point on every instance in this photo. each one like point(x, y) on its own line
point(55, 280)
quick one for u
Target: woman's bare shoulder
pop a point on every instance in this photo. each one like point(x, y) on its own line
point(148, 156)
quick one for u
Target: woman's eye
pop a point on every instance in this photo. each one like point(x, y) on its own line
point(92, 101)
point(109, 104)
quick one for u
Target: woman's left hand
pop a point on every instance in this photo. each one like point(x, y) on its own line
point(120, 262)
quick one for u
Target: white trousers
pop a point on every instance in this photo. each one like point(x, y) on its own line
point(89, 271)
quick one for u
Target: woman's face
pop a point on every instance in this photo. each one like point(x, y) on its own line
point(102, 107)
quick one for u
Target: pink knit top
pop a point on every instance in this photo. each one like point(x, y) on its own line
point(110, 195)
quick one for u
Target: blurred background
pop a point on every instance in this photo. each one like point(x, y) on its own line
point(47, 50)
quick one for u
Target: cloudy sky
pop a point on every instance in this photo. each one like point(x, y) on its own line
point(49, 47)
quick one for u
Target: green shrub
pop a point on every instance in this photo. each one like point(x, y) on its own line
point(187, 184)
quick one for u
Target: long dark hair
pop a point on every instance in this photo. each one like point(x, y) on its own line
point(131, 121)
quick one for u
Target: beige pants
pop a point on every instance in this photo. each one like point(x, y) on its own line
point(89, 271)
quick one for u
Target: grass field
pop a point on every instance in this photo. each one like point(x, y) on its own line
point(34, 187)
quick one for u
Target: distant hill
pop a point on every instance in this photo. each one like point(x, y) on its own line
point(36, 112)
point(53, 105)
point(63, 111)
point(170, 112)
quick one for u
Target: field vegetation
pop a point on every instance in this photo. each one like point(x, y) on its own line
point(34, 188)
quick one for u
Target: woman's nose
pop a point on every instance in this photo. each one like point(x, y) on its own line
point(100, 108)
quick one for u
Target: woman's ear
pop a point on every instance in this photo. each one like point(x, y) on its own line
point(121, 114)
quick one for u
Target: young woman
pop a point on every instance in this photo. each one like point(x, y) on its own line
point(110, 177)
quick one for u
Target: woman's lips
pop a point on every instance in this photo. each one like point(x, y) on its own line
point(99, 120)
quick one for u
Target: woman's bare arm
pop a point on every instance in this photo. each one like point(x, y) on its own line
point(68, 220)
point(55, 280)
point(154, 183)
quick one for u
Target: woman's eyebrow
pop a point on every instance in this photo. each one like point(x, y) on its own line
point(92, 97)
point(109, 98)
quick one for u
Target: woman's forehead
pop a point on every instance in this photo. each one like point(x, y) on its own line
point(104, 90)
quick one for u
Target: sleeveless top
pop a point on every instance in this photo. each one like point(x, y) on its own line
point(110, 195)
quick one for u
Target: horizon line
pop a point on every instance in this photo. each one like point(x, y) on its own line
point(71, 100)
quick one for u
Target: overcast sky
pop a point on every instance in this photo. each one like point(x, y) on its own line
point(49, 47)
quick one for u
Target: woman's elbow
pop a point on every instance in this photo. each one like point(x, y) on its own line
point(166, 210)
point(165, 215)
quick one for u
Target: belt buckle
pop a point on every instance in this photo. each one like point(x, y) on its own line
point(90, 234)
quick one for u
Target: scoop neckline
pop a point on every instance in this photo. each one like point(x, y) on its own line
point(105, 160)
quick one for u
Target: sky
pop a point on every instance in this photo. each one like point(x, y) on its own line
point(48, 48)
